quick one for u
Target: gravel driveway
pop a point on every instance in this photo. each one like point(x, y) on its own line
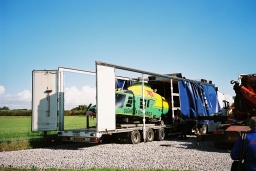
point(167, 154)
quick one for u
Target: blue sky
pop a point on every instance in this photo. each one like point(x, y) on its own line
point(210, 39)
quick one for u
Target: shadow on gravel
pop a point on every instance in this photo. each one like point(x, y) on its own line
point(171, 141)
point(57, 143)
point(192, 143)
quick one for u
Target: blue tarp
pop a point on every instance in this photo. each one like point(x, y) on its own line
point(197, 99)
point(123, 84)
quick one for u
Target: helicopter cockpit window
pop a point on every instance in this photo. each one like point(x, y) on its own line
point(129, 102)
point(120, 99)
point(150, 103)
point(141, 104)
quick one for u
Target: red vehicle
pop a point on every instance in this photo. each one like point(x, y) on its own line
point(244, 108)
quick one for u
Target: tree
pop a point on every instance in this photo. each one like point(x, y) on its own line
point(80, 107)
point(4, 108)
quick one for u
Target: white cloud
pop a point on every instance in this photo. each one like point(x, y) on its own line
point(20, 100)
point(229, 98)
point(84, 96)
point(226, 97)
point(2, 90)
point(25, 95)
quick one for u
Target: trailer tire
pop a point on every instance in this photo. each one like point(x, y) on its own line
point(150, 135)
point(135, 137)
point(160, 134)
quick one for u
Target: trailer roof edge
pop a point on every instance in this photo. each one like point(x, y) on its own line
point(148, 73)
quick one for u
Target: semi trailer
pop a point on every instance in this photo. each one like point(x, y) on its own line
point(130, 109)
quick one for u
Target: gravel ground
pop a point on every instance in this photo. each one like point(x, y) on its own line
point(167, 154)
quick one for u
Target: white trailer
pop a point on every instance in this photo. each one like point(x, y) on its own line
point(48, 107)
point(48, 104)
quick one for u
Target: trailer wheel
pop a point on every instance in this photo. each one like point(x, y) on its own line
point(160, 134)
point(135, 137)
point(150, 135)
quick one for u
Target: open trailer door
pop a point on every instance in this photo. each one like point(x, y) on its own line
point(106, 118)
point(44, 100)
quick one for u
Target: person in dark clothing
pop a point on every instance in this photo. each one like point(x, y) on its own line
point(249, 147)
point(180, 125)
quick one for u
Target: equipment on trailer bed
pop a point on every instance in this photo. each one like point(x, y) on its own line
point(143, 105)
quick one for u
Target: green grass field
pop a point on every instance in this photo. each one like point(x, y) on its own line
point(16, 128)
point(19, 127)
point(16, 134)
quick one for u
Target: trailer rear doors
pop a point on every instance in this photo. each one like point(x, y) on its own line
point(48, 98)
point(106, 119)
point(44, 100)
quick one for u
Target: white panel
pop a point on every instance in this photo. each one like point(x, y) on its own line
point(44, 100)
point(105, 98)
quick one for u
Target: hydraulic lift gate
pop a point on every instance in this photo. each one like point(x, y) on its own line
point(44, 100)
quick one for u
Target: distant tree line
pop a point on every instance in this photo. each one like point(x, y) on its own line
point(5, 111)
point(4, 108)
point(80, 107)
